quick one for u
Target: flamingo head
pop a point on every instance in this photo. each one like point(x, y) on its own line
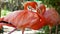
point(41, 8)
point(31, 5)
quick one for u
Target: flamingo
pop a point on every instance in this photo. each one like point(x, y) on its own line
point(34, 5)
point(22, 19)
point(51, 15)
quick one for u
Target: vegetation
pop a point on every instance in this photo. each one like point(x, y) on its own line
point(53, 3)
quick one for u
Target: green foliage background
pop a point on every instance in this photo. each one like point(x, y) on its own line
point(53, 3)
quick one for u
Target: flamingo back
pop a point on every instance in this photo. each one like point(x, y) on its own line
point(52, 15)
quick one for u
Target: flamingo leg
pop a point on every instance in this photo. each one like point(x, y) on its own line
point(50, 30)
point(56, 29)
point(23, 30)
point(12, 31)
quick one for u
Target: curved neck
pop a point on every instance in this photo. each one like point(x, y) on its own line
point(26, 6)
point(41, 10)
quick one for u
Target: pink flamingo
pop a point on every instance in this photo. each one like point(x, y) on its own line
point(51, 16)
point(22, 19)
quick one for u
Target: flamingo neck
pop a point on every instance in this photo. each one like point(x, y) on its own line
point(42, 8)
point(43, 11)
point(26, 6)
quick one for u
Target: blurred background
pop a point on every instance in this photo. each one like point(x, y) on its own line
point(8, 6)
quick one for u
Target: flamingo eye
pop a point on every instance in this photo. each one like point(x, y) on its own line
point(31, 9)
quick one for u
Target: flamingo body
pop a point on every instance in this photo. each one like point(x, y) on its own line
point(52, 16)
point(24, 19)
